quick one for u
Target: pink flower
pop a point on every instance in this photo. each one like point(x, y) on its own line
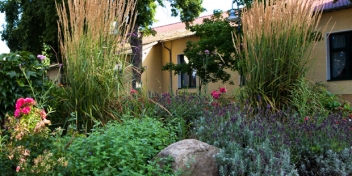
point(222, 90)
point(133, 91)
point(215, 94)
point(26, 110)
point(41, 57)
point(306, 119)
point(18, 168)
point(17, 112)
point(43, 114)
point(19, 103)
point(29, 101)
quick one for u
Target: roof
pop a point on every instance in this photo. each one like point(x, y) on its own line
point(173, 31)
point(178, 30)
point(329, 5)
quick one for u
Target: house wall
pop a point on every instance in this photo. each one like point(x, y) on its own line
point(159, 81)
point(336, 21)
point(54, 75)
point(152, 77)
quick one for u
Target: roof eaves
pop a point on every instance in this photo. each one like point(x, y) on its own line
point(338, 8)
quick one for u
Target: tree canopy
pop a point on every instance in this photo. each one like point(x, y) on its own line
point(212, 54)
point(30, 25)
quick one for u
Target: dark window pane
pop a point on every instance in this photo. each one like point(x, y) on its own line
point(338, 64)
point(193, 79)
point(338, 41)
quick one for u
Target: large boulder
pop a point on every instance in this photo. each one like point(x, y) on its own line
point(192, 157)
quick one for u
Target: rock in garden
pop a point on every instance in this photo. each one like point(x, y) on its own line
point(192, 157)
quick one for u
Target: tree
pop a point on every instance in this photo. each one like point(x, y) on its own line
point(30, 25)
point(212, 54)
point(187, 9)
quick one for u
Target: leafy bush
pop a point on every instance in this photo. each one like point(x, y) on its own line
point(120, 148)
point(179, 110)
point(282, 135)
point(15, 69)
point(28, 144)
point(260, 160)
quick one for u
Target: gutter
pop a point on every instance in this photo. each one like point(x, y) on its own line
point(170, 60)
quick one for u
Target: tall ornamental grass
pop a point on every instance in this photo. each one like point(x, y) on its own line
point(92, 37)
point(278, 37)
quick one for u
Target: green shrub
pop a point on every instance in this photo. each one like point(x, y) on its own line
point(90, 57)
point(26, 144)
point(15, 69)
point(312, 145)
point(120, 148)
point(276, 49)
point(179, 110)
point(259, 159)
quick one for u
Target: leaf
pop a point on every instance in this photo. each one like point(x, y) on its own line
point(12, 74)
point(30, 73)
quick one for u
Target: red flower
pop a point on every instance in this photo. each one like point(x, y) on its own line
point(43, 114)
point(133, 91)
point(306, 119)
point(222, 90)
point(28, 102)
point(17, 112)
point(26, 110)
point(19, 103)
point(216, 94)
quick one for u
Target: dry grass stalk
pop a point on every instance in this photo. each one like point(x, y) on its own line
point(94, 19)
point(91, 47)
point(277, 42)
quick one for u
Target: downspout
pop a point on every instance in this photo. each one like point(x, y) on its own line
point(162, 42)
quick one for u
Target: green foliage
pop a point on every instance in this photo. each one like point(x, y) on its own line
point(212, 54)
point(276, 58)
point(18, 72)
point(260, 159)
point(180, 111)
point(90, 57)
point(27, 146)
point(120, 148)
point(276, 143)
point(310, 98)
point(30, 25)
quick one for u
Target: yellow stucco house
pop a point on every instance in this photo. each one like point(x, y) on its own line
point(332, 56)
point(167, 46)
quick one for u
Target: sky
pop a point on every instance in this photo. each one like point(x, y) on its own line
point(163, 15)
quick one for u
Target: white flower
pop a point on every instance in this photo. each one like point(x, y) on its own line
point(4, 59)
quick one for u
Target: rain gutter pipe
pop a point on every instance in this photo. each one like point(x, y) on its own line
point(162, 42)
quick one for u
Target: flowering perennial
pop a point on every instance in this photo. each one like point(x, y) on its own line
point(23, 106)
point(41, 57)
point(216, 93)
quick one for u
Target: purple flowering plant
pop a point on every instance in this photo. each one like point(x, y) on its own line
point(243, 130)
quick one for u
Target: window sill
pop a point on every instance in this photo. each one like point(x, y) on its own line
point(185, 88)
point(332, 80)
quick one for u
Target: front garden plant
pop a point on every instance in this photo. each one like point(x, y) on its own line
point(105, 128)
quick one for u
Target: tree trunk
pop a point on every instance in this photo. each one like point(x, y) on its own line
point(136, 59)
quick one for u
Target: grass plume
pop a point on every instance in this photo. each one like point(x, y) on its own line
point(278, 37)
point(92, 37)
